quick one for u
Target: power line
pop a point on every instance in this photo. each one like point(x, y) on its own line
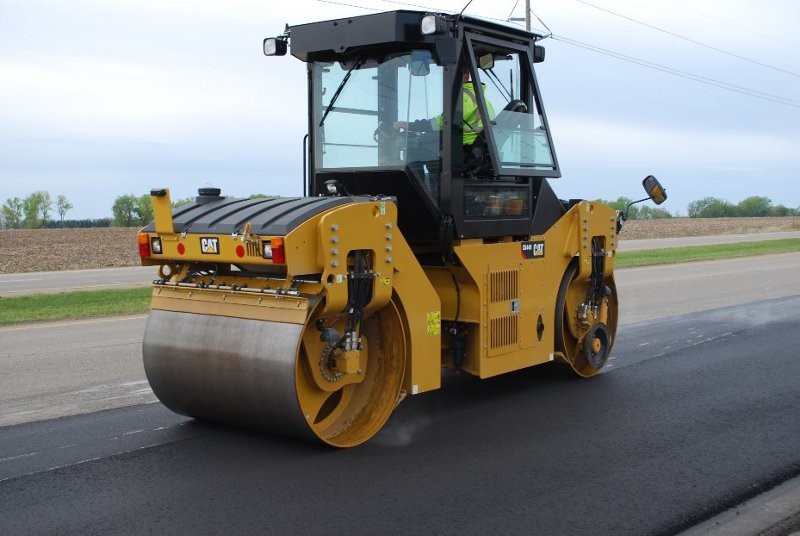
point(348, 5)
point(693, 41)
point(512, 9)
point(734, 25)
point(410, 4)
point(742, 90)
point(549, 31)
point(427, 8)
point(682, 74)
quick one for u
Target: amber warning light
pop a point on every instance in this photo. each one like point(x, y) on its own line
point(144, 245)
point(273, 249)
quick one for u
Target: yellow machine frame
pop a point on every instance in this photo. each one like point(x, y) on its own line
point(498, 293)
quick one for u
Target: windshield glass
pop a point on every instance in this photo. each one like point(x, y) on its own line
point(518, 129)
point(373, 117)
point(521, 140)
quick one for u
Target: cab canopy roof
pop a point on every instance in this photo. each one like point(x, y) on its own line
point(392, 30)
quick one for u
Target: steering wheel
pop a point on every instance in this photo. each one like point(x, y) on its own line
point(386, 130)
point(516, 105)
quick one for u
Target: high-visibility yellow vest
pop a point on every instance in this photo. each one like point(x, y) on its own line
point(472, 115)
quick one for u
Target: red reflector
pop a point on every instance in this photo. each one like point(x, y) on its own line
point(278, 253)
point(240, 251)
point(144, 245)
point(181, 249)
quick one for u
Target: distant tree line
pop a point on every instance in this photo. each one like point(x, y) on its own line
point(708, 207)
point(87, 223)
point(132, 211)
point(34, 211)
point(637, 212)
point(712, 207)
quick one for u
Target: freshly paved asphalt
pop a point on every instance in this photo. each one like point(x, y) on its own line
point(695, 414)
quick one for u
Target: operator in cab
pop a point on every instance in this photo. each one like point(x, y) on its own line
point(473, 124)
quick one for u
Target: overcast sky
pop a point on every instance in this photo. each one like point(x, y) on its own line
point(103, 98)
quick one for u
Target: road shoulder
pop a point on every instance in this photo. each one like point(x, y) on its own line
point(774, 513)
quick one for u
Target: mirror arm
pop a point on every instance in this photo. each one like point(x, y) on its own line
point(625, 214)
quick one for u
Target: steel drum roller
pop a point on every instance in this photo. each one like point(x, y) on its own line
point(257, 374)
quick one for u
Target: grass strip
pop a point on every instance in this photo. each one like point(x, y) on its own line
point(74, 305)
point(650, 257)
point(116, 302)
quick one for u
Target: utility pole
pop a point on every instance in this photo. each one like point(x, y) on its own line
point(527, 18)
point(528, 15)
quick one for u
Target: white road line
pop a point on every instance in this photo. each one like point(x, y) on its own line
point(19, 456)
point(107, 387)
point(96, 458)
point(76, 323)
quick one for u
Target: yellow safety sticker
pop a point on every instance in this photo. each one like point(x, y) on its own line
point(385, 281)
point(434, 322)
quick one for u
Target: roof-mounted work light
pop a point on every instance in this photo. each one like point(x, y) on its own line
point(275, 46)
point(432, 24)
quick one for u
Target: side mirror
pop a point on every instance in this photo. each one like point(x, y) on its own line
point(538, 53)
point(420, 64)
point(656, 193)
point(654, 189)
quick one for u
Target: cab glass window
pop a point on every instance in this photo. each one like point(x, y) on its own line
point(363, 109)
point(518, 133)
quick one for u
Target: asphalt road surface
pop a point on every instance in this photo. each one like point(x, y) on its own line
point(55, 369)
point(640, 244)
point(695, 413)
point(42, 282)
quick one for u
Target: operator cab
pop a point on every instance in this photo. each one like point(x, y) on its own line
point(442, 112)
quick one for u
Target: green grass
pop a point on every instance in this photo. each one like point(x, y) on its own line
point(74, 305)
point(630, 259)
point(115, 302)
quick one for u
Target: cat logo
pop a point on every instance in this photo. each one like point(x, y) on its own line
point(533, 250)
point(209, 245)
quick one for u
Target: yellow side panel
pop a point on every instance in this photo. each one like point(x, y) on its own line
point(358, 226)
point(373, 226)
point(422, 312)
point(515, 296)
point(517, 293)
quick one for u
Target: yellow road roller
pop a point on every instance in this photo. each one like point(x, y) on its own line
point(427, 238)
